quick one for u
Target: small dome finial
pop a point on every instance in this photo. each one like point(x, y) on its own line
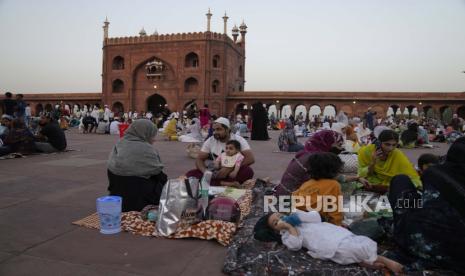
point(243, 27)
point(235, 32)
point(142, 32)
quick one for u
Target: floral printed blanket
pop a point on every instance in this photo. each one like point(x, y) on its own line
point(218, 230)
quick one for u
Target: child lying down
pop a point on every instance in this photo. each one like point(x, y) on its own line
point(323, 240)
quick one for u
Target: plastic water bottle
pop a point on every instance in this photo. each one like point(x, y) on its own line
point(204, 188)
point(109, 211)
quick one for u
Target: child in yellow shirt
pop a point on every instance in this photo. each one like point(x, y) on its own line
point(323, 168)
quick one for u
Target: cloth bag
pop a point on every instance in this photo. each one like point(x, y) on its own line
point(224, 208)
point(178, 205)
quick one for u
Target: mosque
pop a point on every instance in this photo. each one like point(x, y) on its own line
point(154, 71)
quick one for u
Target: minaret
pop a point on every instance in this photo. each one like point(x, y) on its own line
point(105, 29)
point(225, 18)
point(243, 29)
point(235, 33)
point(209, 16)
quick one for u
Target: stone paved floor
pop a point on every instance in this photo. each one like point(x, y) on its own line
point(41, 195)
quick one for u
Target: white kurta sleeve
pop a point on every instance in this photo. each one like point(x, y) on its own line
point(292, 242)
point(312, 216)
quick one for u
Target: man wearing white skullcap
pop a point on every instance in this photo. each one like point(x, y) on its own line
point(215, 145)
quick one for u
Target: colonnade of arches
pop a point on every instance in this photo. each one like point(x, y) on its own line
point(41, 107)
point(407, 111)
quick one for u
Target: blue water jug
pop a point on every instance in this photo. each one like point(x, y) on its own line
point(109, 211)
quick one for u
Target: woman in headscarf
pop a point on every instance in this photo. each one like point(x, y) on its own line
point(135, 170)
point(380, 162)
point(431, 227)
point(194, 135)
point(259, 122)
point(204, 114)
point(296, 172)
point(363, 133)
point(409, 137)
point(287, 140)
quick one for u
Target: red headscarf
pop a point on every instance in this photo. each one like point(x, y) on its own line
point(322, 141)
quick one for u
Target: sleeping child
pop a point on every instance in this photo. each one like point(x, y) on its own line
point(323, 240)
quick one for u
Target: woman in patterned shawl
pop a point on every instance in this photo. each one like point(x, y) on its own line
point(430, 227)
point(296, 172)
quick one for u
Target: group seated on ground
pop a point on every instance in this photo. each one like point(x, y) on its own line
point(315, 171)
point(17, 138)
point(425, 238)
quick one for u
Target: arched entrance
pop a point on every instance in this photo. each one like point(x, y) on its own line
point(118, 108)
point(329, 111)
point(272, 110)
point(446, 114)
point(428, 111)
point(286, 111)
point(39, 109)
point(300, 110)
point(156, 104)
point(314, 110)
point(48, 107)
point(461, 111)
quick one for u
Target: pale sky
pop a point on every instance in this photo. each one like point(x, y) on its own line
point(325, 45)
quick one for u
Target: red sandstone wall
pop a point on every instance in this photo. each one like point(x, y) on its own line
point(172, 50)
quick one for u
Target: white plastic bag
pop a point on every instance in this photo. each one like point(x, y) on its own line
point(178, 205)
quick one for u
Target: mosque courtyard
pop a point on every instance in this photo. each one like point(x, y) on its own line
point(41, 195)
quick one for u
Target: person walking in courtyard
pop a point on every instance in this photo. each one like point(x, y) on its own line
point(259, 122)
point(204, 114)
point(370, 119)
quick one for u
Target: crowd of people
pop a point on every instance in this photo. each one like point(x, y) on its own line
point(429, 237)
point(315, 170)
point(21, 134)
point(419, 132)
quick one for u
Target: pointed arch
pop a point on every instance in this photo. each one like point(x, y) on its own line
point(118, 63)
point(117, 86)
point(191, 60)
point(216, 86)
point(191, 85)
